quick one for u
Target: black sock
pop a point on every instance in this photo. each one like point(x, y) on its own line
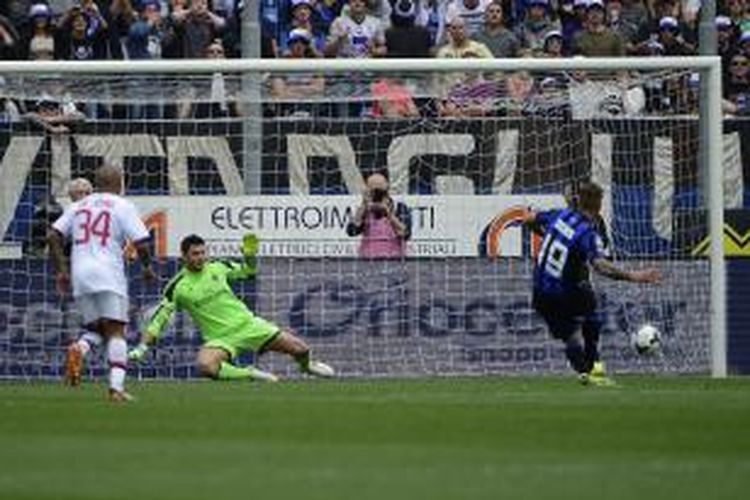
point(590, 333)
point(575, 355)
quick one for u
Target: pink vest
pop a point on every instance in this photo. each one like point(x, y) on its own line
point(379, 239)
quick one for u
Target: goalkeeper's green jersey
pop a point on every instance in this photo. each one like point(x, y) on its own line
point(207, 297)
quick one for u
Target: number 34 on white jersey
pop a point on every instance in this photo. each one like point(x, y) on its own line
point(98, 227)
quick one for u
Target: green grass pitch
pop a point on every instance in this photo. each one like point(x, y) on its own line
point(483, 438)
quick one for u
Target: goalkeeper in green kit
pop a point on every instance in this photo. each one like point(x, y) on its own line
point(201, 287)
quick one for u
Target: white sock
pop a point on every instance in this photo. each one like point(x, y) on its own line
point(94, 339)
point(117, 354)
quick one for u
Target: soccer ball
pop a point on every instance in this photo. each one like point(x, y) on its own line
point(647, 339)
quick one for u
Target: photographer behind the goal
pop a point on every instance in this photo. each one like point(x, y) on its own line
point(385, 224)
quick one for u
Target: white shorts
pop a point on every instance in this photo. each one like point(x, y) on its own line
point(102, 305)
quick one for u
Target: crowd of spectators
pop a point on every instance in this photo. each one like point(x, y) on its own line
point(162, 29)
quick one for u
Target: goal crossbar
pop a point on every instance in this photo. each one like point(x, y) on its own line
point(367, 65)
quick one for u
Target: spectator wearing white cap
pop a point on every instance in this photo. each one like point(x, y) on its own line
point(535, 26)
point(648, 30)
point(356, 34)
point(501, 41)
point(404, 38)
point(471, 11)
point(726, 41)
point(671, 38)
point(553, 44)
point(299, 93)
point(597, 40)
point(299, 45)
point(301, 17)
point(40, 36)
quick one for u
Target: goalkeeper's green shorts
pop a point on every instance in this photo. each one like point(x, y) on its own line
point(254, 336)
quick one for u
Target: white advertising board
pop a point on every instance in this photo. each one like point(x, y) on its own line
point(314, 226)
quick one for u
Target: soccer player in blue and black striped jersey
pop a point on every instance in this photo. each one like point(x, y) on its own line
point(563, 294)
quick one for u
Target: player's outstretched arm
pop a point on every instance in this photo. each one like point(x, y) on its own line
point(610, 270)
point(156, 324)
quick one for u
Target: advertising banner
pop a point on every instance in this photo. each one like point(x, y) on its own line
point(379, 318)
point(315, 226)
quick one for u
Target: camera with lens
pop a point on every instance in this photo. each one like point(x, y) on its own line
point(378, 195)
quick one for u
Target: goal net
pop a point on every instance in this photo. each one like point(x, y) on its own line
point(283, 149)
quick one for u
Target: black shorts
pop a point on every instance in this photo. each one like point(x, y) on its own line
point(564, 313)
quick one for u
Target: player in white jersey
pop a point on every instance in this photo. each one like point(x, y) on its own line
point(78, 189)
point(99, 226)
point(356, 34)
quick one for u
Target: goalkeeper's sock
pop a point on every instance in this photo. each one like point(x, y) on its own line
point(228, 371)
point(117, 354)
point(303, 360)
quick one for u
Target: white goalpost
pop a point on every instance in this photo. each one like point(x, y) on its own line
point(489, 138)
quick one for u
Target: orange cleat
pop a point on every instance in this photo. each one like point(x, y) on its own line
point(73, 362)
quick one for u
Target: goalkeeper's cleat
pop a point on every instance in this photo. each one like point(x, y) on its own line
point(257, 374)
point(598, 370)
point(73, 362)
point(116, 396)
point(319, 369)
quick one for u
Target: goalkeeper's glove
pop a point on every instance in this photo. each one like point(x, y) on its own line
point(250, 245)
point(138, 352)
